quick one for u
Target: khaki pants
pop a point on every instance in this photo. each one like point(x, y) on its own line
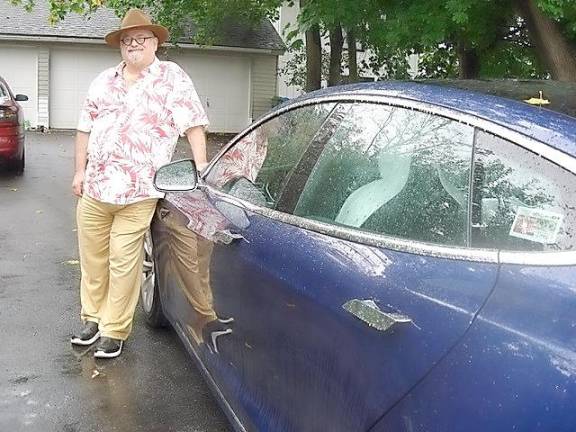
point(111, 242)
point(190, 257)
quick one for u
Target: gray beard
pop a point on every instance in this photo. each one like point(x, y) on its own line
point(135, 57)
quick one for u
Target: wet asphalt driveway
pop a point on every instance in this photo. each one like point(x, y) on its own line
point(45, 384)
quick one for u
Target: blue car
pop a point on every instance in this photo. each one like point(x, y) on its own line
point(378, 257)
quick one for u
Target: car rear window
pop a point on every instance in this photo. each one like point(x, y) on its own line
point(521, 202)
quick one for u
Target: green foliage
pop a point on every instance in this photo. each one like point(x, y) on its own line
point(390, 29)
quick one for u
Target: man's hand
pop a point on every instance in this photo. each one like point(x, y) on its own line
point(78, 183)
point(201, 165)
point(80, 159)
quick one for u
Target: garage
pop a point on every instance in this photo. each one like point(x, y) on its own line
point(19, 68)
point(54, 65)
point(223, 84)
point(71, 72)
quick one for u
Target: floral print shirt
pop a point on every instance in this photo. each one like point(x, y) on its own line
point(133, 131)
point(244, 160)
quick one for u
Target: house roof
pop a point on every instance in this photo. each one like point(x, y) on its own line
point(15, 21)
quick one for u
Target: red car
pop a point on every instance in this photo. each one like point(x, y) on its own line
point(11, 129)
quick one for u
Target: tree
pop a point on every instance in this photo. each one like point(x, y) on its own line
point(313, 54)
point(488, 38)
point(550, 36)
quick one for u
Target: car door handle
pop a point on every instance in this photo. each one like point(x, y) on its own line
point(227, 237)
point(369, 312)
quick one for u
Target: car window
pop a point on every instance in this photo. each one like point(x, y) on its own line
point(394, 171)
point(258, 166)
point(520, 200)
point(3, 93)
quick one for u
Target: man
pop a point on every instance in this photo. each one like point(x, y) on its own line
point(128, 128)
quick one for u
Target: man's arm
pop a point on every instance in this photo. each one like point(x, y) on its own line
point(197, 139)
point(80, 160)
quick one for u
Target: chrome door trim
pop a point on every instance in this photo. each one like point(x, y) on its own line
point(544, 259)
point(409, 246)
point(371, 239)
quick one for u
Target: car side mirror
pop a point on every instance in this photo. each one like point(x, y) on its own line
point(21, 98)
point(177, 176)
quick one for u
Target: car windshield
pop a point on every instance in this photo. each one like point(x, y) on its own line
point(558, 96)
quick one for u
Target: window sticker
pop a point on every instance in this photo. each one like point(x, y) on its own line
point(536, 225)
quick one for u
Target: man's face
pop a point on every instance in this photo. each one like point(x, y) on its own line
point(136, 54)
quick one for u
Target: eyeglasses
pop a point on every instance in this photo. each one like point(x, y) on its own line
point(139, 40)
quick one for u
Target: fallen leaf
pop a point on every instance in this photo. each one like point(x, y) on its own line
point(72, 262)
point(14, 190)
point(39, 211)
point(75, 229)
point(95, 373)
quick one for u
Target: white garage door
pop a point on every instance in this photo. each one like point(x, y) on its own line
point(223, 84)
point(18, 66)
point(71, 72)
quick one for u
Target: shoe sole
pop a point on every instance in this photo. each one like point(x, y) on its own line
point(85, 342)
point(105, 355)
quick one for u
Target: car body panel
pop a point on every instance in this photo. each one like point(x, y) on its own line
point(294, 341)
point(11, 131)
point(491, 346)
point(514, 370)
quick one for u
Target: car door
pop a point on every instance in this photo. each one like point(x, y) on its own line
point(347, 268)
point(516, 365)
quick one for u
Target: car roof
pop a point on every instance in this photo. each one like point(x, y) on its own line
point(553, 128)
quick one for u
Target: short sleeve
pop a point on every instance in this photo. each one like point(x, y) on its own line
point(187, 110)
point(89, 110)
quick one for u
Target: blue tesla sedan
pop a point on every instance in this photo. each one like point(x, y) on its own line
point(379, 257)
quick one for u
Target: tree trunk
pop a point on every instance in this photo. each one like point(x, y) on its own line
point(552, 47)
point(313, 56)
point(352, 56)
point(336, 43)
point(468, 61)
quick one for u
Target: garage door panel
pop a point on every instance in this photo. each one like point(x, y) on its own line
point(19, 68)
point(224, 86)
point(222, 83)
point(71, 72)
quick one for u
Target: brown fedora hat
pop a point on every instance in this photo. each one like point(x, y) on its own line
point(136, 19)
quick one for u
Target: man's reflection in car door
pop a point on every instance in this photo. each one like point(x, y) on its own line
point(198, 223)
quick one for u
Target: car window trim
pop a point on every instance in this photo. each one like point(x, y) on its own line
point(542, 149)
point(358, 236)
point(495, 256)
point(558, 157)
point(298, 178)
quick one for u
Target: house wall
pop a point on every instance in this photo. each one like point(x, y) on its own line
point(43, 105)
point(263, 84)
point(288, 17)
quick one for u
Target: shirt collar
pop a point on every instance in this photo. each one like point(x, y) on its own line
point(152, 69)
